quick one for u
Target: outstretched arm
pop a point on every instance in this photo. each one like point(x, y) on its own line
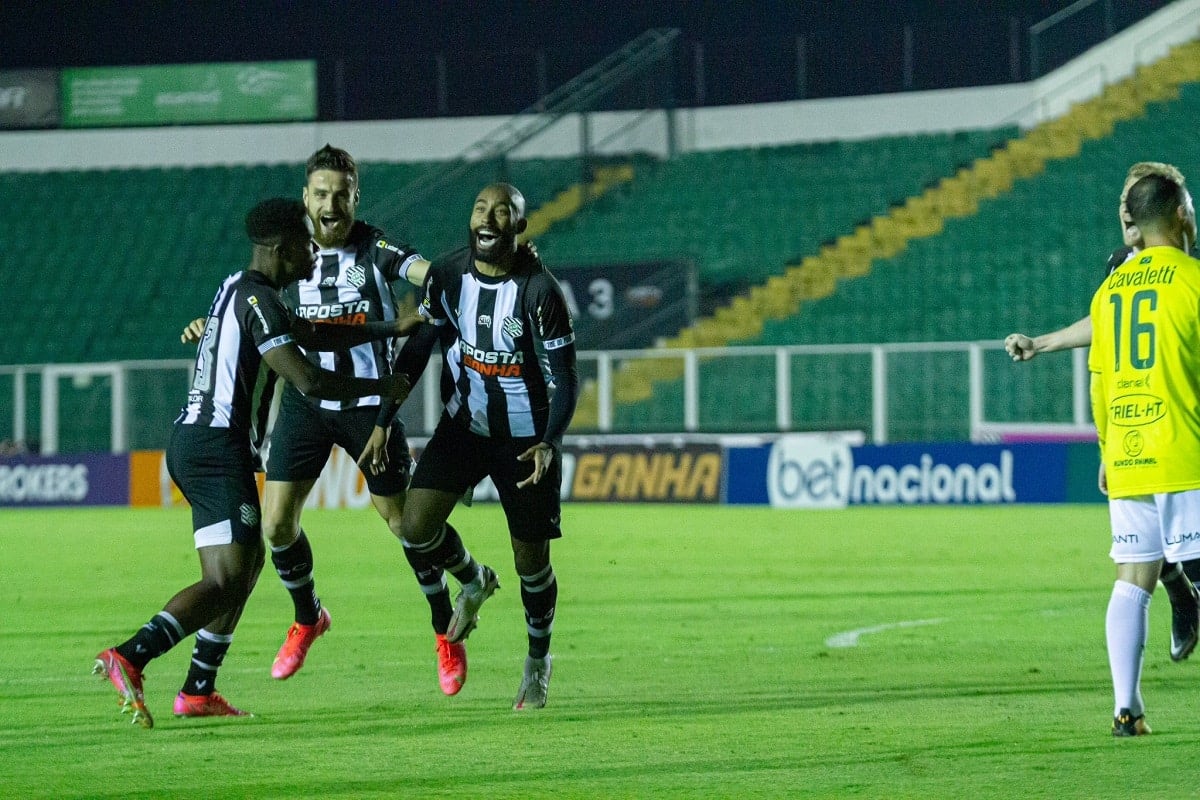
point(1023, 348)
point(312, 381)
point(325, 337)
point(410, 363)
point(416, 272)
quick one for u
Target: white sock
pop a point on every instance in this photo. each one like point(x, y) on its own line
point(1127, 626)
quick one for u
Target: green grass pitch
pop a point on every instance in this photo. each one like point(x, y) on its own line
point(692, 661)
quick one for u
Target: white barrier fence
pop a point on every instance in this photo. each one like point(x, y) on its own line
point(970, 387)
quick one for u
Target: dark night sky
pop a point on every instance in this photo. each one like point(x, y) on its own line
point(386, 52)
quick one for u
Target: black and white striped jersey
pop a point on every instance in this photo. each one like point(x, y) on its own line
point(502, 380)
point(352, 285)
point(247, 318)
point(1118, 257)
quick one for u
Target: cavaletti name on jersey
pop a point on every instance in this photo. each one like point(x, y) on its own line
point(351, 313)
point(1145, 277)
point(495, 363)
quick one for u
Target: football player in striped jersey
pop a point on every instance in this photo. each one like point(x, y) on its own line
point(211, 458)
point(514, 390)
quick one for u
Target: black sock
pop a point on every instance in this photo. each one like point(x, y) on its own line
point(207, 656)
point(446, 550)
point(1192, 570)
point(1176, 582)
point(539, 593)
point(294, 565)
point(153, 639)
point(432, 580)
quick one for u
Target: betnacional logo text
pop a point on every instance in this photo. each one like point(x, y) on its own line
point(809, 472)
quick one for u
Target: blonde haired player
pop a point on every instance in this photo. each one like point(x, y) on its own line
point(1145, 364)
point(1177, 579)
point(1079, 333)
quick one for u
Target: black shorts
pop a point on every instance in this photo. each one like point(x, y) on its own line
point(304, 434)
point(456, 459)
point(214, 469)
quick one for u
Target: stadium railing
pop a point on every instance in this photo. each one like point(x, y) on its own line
point(963, 390)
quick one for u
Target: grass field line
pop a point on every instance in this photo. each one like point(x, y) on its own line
point(850, 638)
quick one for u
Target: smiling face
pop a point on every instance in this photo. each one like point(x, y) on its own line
point(331, 198)
point(497, 217)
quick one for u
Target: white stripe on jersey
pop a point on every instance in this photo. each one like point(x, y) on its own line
point(453, 360)
point(385, 291)
point(388, 309)
point(226, 374)
point(506, 304)
point(517, 398)
point(362, 357)
point(520, 416)
point(516, 394)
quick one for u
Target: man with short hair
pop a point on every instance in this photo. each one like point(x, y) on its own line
point(1180, 580)
point(211, 458)
point(353, 281)
point(357, 265)
point(515, 387)
point(1145, 364)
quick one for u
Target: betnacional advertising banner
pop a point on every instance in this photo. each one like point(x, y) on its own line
point(815, 471)
point(794, 471)
point(268, 91)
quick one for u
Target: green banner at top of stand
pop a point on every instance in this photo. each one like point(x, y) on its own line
point(267, 91)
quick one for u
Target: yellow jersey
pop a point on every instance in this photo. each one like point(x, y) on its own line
point(1145, 365)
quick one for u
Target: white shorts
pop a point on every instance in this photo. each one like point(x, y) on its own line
point(1153, 526)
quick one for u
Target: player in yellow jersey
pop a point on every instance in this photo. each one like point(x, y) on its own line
point(1179, 580)
point(1145, 364)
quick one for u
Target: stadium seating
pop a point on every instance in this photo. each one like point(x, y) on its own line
point(108, 265)
point(1022, 238)
point(742, 214)
point(114, 262)
point(941, 237)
